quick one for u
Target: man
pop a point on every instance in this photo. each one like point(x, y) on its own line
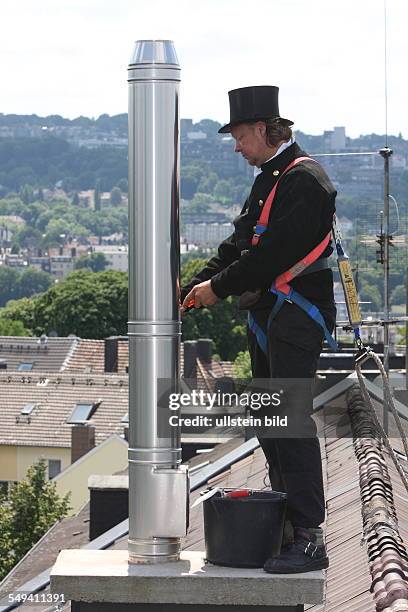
point(284, 343)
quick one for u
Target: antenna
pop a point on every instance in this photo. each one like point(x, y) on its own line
point(385, 74)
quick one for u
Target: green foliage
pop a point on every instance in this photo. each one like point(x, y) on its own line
point(190, 269)
point(15, 284)
point(27, 237)
point(223, 322)
point(116, 196)
point(9, 327)
point(49, 224)
point(22, 310)
point(199, 203)
point(242, 366)
point(372, 294)
point(399, 295)
point(97, 195)
point(33, 507)
point(27, 194)
point(96, 262)
point(44, 161)
point(88, 304)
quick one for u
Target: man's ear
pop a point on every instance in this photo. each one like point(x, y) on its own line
point(261, 126)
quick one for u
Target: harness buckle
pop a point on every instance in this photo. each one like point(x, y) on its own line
point(310, 549)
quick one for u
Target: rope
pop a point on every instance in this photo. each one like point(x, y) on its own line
point(388, 402)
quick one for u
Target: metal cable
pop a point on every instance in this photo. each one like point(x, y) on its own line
point(388, 401)
point(343, 154)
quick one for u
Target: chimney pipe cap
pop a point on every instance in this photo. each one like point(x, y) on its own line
point(154, 52)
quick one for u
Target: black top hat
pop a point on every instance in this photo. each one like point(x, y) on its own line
point(253, 104)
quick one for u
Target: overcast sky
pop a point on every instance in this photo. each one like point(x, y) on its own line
point(69, 57)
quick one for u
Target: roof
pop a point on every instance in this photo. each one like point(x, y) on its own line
point(55, 396)
point(358, 577)
point(89, 357)
point(86, 356)
point(46, 354)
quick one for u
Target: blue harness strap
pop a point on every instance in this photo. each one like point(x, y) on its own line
point(258, 332)
point(306, 306)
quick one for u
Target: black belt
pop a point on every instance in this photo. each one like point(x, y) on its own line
point(316, 266)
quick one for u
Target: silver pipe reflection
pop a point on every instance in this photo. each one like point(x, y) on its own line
point(157, 483)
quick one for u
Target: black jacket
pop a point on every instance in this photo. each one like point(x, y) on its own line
point(301, 216)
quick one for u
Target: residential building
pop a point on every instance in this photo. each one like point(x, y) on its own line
point(62, 397)
point(117, 256)
point(61, 265)
point(206, 234)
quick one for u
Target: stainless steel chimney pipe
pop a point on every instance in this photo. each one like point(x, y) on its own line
point(158, 484)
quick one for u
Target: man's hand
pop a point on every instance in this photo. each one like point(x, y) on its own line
point(200, 295)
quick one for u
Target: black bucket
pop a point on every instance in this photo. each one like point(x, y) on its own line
point(243, 531)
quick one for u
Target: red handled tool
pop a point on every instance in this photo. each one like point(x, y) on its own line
point(190, 305)
point(238, 493)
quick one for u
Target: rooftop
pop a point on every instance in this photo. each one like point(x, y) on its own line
point(361, 565)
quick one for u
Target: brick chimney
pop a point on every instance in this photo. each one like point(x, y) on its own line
point(82, 440)
point(111, 354)
point(204, 349)
point(190, 359)
point(109, 502)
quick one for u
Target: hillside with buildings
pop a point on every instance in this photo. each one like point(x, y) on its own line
point(63, 195)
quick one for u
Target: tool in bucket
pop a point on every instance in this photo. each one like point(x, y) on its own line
point(232, 494)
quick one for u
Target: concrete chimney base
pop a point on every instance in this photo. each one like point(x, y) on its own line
point(104, 581)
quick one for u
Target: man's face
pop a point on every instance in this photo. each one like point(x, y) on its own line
point(250, 141)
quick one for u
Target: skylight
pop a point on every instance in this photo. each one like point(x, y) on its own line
point(27, 409)
point(82, 412)
point(25, 366)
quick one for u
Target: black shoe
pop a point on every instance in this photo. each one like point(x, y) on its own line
point(301, 556)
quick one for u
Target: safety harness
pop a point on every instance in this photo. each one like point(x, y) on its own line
point(280, 287)
point(283, 291)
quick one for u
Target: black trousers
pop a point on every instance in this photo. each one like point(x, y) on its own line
point(294, 343)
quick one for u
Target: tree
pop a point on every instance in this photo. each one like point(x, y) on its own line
point(123, 185)
point(8, 284)
point(87, 304)
point(75, 199)
point(9, 327)
point(223, 322)
point(27, 194)
point(242, 366)
point(370, 293)
point(200, 203)
point(22, 310)
point(33, 507)
point(96, 262)
point(399, 295)
point(33, 281)
point(223, 190)
point(27, 237)
point(116, 196)
point(97, 195)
